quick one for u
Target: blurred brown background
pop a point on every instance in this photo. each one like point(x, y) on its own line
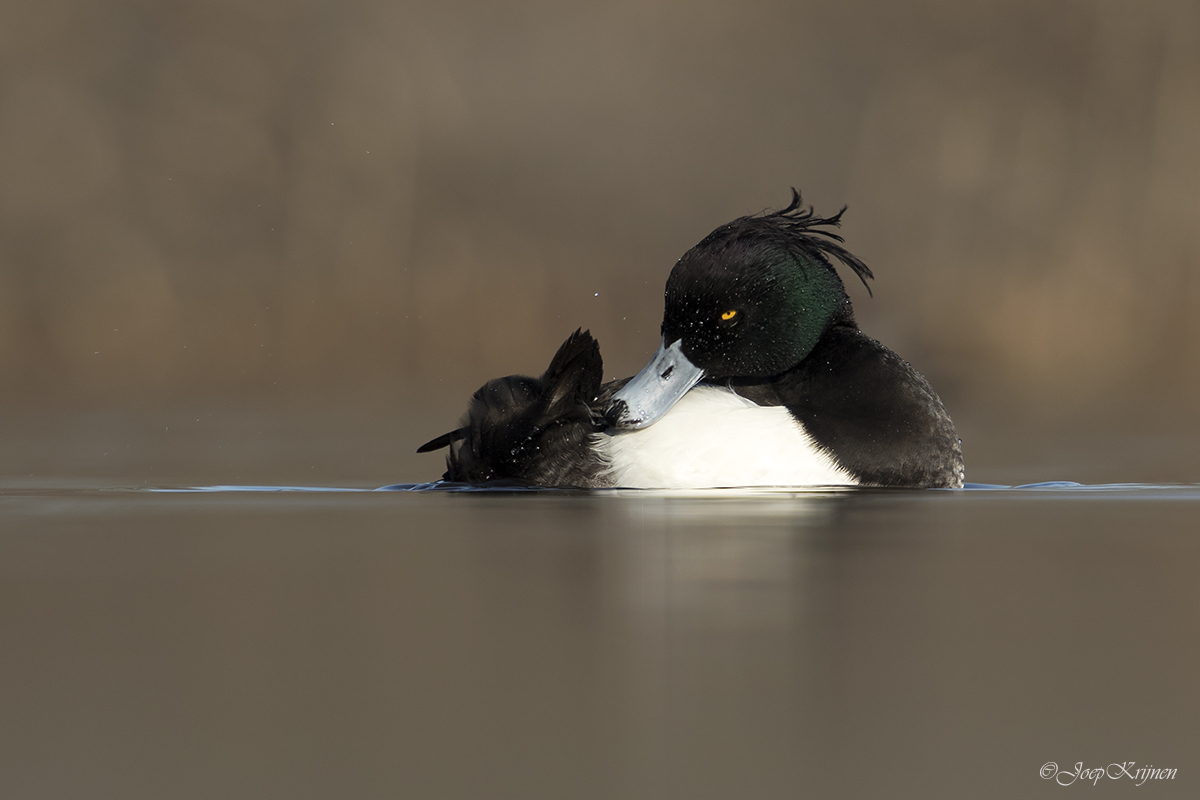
point(383, 204)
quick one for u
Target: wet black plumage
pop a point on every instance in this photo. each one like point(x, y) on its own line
point(533, 431)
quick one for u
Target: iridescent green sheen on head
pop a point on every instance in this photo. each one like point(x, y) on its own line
point(773, 272)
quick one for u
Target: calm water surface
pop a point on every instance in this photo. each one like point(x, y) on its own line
point(527, 645)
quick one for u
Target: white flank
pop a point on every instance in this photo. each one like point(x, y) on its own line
point(714, 438)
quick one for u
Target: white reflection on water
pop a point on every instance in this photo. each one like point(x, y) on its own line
point(723, 558)
point(722, 507)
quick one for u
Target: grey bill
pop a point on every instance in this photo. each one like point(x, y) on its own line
point(652, 392)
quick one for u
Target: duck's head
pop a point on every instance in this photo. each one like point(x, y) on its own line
point(749, 301)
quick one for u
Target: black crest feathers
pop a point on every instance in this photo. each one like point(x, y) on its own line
point(805, 230)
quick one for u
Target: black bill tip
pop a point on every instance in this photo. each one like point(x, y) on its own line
point(615, 412)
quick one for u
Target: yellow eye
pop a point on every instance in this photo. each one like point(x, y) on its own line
point(728, 315)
